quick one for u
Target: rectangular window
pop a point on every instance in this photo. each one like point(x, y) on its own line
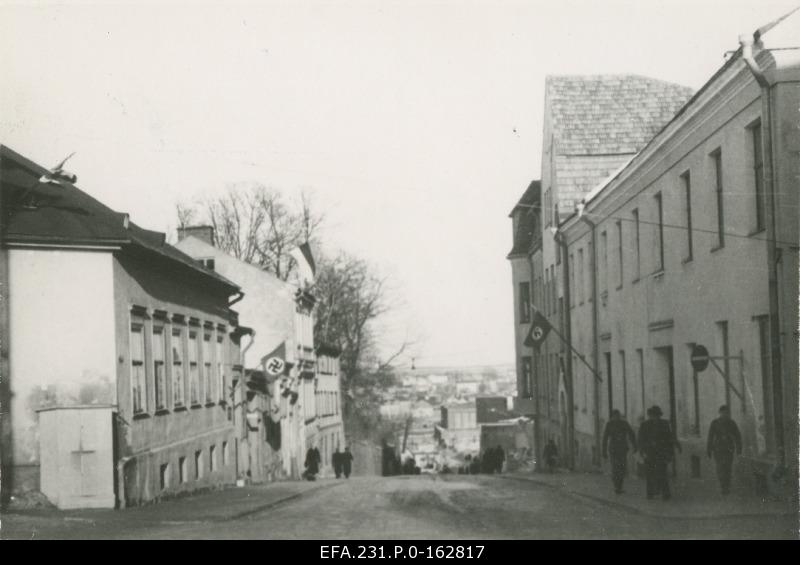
point(208, 376)
point(758, 175)
point(164, 476)
point(621, 273)
point(178, 384)
point(722, 335)
point(695, 397)
point(525, 391)
point(572, 279)
point(159, 367)
point(603, 262)
point(183, 471)
point(212, 457)
point(194, 375)
point(221, 380)
point(659, 232)
point(640, 355)
point(637, 246)
point(716, 158)
point(687, 189)
point(766, 382)
point(624, 373)
point(580, 276)
point(138, 371)
point(225, 454)
point(198, 465)
point(524, 302)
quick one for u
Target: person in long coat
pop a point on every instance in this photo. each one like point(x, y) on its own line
point(617, 436)
point(657, 445)
point(312, 463)
point(724, 440)
point(336, 460)
point(347, 462)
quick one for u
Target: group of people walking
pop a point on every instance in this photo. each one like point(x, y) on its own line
point(657, 444)
point(491, 462)
point(342, 463)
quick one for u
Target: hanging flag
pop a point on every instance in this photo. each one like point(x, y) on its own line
point(306, 266)
point(540, 327)
point(275, 362)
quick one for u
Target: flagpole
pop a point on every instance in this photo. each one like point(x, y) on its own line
point(578, 353)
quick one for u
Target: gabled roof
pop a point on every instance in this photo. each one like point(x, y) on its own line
point(531, 196)
point(64, 215)
point(609, 114)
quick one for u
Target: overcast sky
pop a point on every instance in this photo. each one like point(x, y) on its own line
point(416, 124)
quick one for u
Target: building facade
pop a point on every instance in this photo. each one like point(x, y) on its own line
point(696, 244)
point(124, 352)
point(668, 220)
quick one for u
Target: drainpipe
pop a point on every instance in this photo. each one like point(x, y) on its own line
point(121, 481)
point(595, 326)
point(562, 245)
point(773, 253)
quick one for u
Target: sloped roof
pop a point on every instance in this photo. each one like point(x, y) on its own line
point(65, 215)
point(609, 114)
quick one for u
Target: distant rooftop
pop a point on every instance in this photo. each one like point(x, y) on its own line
point(610, 114)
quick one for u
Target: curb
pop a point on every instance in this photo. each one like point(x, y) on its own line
point(168, 522)
point(641, 512)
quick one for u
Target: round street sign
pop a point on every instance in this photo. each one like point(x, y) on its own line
point(699, 358)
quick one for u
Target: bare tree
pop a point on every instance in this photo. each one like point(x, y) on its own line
point(256, 224)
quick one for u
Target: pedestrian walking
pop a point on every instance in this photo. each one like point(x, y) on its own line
point(724, 440)
point(617, 437)
point(499, 458)
point(312, 464)
point(550, 455)
point(657, 445)
point(336, 460)
point(347, 462)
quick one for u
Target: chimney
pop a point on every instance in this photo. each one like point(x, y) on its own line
point(205, 233)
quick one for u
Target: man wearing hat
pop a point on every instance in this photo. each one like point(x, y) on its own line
point(657, 444)
point(724, 439)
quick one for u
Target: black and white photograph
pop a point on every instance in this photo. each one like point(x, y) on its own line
point(399, 278)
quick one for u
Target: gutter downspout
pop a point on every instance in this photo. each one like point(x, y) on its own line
point(595, 326)
point(773, 253)
point(562, 244)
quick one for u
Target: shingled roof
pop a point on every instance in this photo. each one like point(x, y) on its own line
point(65, 215)
point(610, 114)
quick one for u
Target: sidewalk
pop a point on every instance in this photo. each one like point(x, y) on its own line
point(228, 503)
point(691, 498)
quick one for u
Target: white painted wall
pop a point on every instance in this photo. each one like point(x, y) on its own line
point(62, 345)
point(268, 303)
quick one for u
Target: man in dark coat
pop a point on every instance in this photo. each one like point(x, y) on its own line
point(616, 439)
point(724, 440)
point(336, 460)
point(550, 455)
point(499, 458)
point(657, 444)
point(347, 462)
point(312, 464)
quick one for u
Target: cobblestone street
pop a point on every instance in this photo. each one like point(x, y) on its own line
point(419, 507)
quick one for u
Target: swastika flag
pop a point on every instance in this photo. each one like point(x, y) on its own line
point(275, 362)
point(540, 327)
